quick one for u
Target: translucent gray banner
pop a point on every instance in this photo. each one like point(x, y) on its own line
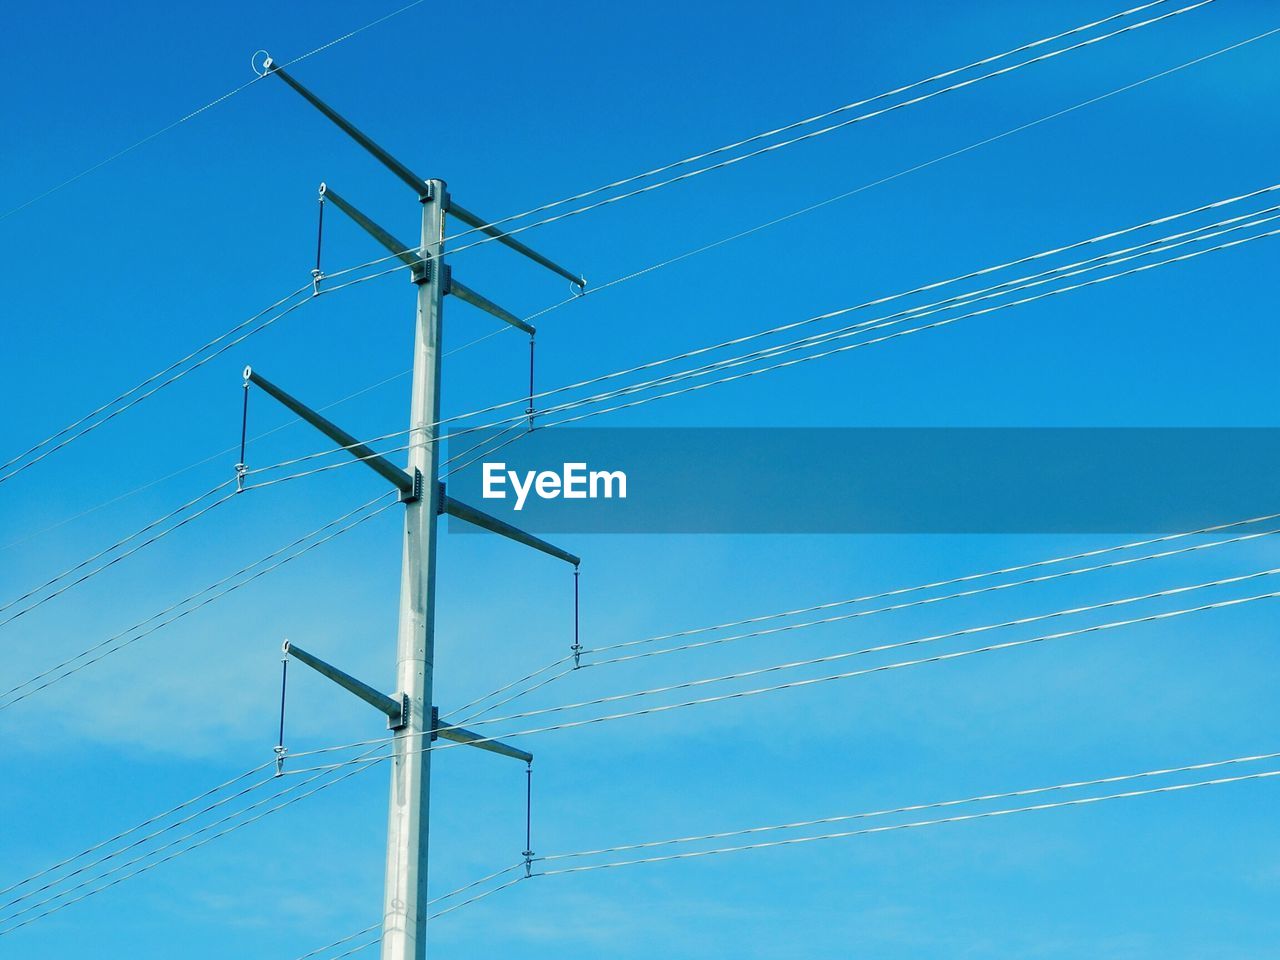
point(887, 480)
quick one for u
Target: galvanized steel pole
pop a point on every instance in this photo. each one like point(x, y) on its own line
point(405, 903)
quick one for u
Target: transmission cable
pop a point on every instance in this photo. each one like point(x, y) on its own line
point(112, 645)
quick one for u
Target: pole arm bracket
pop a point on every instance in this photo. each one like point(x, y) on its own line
point(456, 508)
point(447, 731)
point(481, 302)
point(396, 708)
point(406, 253)
point(415, 182)
point(410, 486)
point(494, 233)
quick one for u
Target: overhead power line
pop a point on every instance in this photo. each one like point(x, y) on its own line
point(822, 131)
point(896, 645)
point(596, 288)
point(1149, 249)
point(892, 336)
point(136, 394)
point(803, 683)
point(818, 118)
point(121, 871)
point(150, 821)
point(118, 878)
point(199, 110)
point(643, 271)
point(108, 564)
point(889, 828)
point(584, 661)
point(52, 581)
point(917, 807)
point(191, 603)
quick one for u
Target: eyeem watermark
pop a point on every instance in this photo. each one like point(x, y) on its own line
point(573, 482)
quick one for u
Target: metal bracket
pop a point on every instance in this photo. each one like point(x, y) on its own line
point(420, 273)
point(440, 499)
point(414, 494)
point(455, 734)
point(399, 723)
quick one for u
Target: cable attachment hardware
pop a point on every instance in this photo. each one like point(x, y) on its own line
point(261, 67)
point(241, 467)
point(529, 410)
point(280, 748)
point(317, 274)
point(527, 853)
point(577, 647)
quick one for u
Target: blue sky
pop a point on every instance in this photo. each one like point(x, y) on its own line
point(118, 274)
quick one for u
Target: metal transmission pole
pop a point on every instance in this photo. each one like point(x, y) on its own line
point(404, 904)
point(410, 713)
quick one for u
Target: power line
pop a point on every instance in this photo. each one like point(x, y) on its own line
point(816, 133)
point(859, 189)
point(133, 391)
point(117, 642)
point(983, 815)
point(818, 205)
point(133, 396)
point(918, 807)
point(178, 853)
point(880, 301)
point(212, 791)
point(520, 694)
point(120, 869)
point(755, 138)
point(810, 681)
point(1111, 258)
point(69, 435)
point(643, 271)
point(113, 547)
point(898, 334)
point(831, 128)
point(213, 505)
point(199, 463)
point(838, 334)
point(893, 608)
point(199, 110)
point(880, 648)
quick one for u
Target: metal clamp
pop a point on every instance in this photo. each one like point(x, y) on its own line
point(415, 494)
point(399, 723)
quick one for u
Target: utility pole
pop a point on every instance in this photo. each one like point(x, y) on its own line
point(411, 713)
point(404, 920)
